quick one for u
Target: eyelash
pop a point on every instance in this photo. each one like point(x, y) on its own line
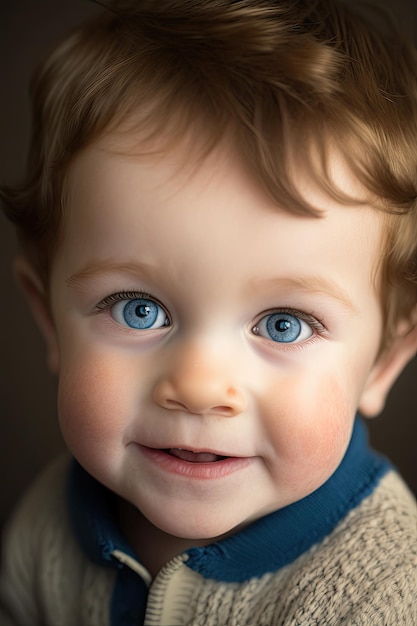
point(309, 318)
point(114, 298)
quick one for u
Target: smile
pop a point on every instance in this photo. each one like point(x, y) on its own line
point(201, 465)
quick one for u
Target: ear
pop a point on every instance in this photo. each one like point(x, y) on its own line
point(386, 370)
point(34, 290)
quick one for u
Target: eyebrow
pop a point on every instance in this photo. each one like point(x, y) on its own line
point(94, 269)
point(310, 284)
point(306, 284)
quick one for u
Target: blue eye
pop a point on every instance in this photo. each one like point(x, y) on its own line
point(140, 313)
point(283, 328)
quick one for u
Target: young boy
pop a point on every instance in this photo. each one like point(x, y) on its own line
point(219, 232)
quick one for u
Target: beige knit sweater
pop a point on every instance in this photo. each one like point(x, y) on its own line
point(362, 574)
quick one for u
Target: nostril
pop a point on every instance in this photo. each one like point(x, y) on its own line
point(179, 406)
point(223, 410)
point(174, 404)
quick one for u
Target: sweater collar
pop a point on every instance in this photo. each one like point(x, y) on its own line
point(264, 546)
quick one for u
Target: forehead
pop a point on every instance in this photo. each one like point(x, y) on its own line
point(122, 204)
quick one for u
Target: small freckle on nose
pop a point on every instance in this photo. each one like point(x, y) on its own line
point(231, 391)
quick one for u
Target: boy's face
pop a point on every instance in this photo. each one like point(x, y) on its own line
point(194, 316)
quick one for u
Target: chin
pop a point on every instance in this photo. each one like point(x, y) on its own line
point(195, 529)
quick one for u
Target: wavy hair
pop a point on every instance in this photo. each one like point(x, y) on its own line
point(277, 77)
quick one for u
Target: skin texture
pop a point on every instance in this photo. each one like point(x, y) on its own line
point(218, 257)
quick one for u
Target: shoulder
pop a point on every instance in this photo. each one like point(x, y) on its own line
point(29, 538)
point(382, 528)
point(40, 513)
point(363, 573)
point(44, 573)
point(41, 516)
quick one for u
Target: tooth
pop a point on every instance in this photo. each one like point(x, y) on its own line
point(194, 457)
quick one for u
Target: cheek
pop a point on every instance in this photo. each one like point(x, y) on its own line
point(309, 428)
point(93, 405)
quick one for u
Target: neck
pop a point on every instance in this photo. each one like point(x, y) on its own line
point(152, 545)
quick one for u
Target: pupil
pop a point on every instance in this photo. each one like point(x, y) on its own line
point(142, 310)
point(282, 326)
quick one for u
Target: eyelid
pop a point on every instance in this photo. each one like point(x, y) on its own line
point(121, 296)
point(309, 318)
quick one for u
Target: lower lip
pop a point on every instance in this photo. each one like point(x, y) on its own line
point(199, 471)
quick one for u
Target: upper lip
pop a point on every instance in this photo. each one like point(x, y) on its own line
point(194, 449)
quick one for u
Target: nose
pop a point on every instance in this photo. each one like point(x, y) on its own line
point(199, 384)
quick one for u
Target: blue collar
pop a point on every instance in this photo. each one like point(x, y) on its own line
point(264, 546)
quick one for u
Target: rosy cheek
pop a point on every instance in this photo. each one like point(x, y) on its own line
point(91, 406)
point(309, 425)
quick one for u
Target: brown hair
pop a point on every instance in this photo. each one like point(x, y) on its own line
point(277, 76)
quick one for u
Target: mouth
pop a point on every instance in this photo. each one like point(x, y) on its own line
point(194, 464)
point(194, 457)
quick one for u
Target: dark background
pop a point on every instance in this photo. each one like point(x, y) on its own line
point(29, 434)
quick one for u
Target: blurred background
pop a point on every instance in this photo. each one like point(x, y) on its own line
point(30, 436)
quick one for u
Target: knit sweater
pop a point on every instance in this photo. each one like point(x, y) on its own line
point(344, 555)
